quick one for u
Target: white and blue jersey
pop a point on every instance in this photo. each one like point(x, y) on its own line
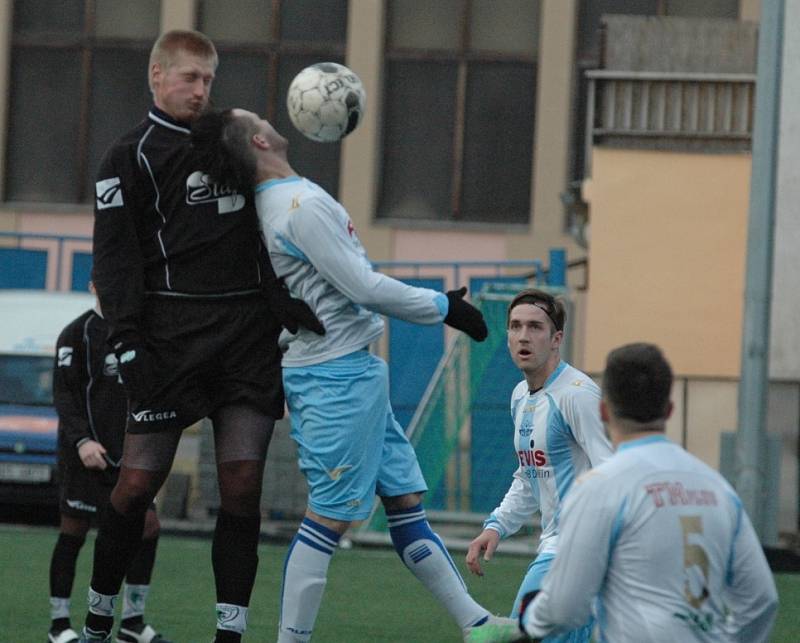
point(664, 542)
point(350, 446)
point(558, 435)
point(312, 245)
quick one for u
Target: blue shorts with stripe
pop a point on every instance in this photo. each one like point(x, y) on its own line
point(537, 570)
point(350, 446)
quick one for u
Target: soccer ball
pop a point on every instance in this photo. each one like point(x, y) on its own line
point(325, 102)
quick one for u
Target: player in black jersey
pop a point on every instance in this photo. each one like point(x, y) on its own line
point(91, 406)
point(194, 311)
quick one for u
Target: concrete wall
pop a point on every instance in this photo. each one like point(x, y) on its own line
point(668, 236)
point(637, 43)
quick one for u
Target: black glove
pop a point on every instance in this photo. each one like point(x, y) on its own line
point(290, 312)
point(526, 600)
point(464, 316)
point(136, 369)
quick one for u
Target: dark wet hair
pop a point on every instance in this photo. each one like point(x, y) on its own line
point(637, 382)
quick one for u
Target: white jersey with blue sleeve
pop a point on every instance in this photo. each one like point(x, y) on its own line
point(558, 435)
point(313, 246)
point(664, 542)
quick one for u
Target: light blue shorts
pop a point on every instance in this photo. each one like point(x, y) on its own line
point(537, 570)
point(350, 446)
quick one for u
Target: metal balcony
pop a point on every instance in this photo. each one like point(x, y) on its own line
point(667, 110)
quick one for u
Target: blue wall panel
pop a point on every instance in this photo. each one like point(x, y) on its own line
point(23, 268)
point(414, 353)
point(81, 270)
point(492, 458)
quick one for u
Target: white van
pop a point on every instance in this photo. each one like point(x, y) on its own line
point(30, 322)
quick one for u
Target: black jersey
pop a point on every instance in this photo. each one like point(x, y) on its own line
point(162, 226)
point(88, 396)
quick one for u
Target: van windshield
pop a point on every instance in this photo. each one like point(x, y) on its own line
point(26, 379)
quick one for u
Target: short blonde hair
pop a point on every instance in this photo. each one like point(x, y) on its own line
point(170, 43)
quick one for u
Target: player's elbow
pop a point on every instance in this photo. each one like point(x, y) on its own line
point(568, 615)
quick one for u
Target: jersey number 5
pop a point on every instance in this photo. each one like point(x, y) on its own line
point(694, 557)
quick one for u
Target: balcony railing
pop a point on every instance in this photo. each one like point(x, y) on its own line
point(665, 110)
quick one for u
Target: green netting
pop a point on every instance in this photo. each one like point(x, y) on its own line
point(445, 409)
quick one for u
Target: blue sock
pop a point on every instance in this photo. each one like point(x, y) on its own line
point(305, 573)
point(425, 555)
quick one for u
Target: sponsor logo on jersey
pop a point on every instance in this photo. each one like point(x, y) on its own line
point(108, 193)
point(110, 365)
point(82, 506)
point(532, 457)
point(201, 189)
point(525, 429)
point(65, 356)
point(148, 415)
point(295, 203)
point(335, 474)
point(675, 493)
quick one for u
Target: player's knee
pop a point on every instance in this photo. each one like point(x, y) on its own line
point(339, 526)
point(152, 526)
point(75, 527)
point(240, 486)
point(241, 502)
point(398, 503)
point(135, 490)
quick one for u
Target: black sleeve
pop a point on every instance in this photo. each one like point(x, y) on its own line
point(69, 385)
point(117, 256)
point(269, 280)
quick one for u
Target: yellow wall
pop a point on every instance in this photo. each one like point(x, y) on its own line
point(666, 259)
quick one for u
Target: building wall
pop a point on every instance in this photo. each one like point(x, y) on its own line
point(361, 152)
point(668, 234)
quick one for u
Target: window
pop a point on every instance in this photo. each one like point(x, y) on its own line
point(262, 45)
point(78, 80)
point(26, 379)
point(460, 91)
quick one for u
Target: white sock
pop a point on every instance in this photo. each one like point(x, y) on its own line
point(102, 604)
point(59, 607)
point(426, 556)
point(304, 578)
point(231, 617)
point(133, 599)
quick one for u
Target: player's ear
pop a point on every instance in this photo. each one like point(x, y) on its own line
point(260, 142)
point(604, 414)
point(670, 408)
point(155, 73)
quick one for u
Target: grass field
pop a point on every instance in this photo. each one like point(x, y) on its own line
point(370, 596)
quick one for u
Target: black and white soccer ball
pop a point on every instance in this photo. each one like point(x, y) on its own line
point(326, 102)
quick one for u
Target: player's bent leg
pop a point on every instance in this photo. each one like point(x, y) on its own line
point(242, 434)
point(532, 581)
point(132, 627)
point(146, 462)
point(305, 575)
point(425, 555)
point(71, 537)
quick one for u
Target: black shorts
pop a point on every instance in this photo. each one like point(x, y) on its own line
point(208, 353)
point(83, 492)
